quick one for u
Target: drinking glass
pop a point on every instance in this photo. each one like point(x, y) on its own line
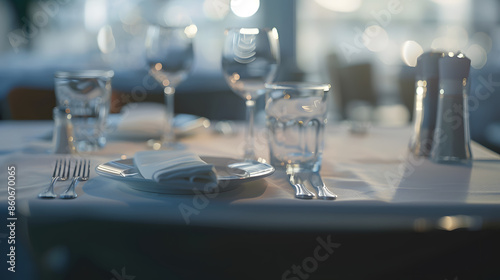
point(83, 102)
point(250, 59)
point(296, 117)
point(169, 54)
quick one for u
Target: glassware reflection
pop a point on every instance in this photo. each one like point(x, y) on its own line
point(169, 54)
point(250, 59)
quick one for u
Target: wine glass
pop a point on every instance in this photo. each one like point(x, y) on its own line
point(169, 54)
point(250, 59)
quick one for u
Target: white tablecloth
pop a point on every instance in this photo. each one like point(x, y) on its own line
point(377, 183)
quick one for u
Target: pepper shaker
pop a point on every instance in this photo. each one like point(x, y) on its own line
point(426, 103)
point(452, 135)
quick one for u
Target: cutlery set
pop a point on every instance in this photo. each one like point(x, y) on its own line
point(62, 169)
point(81, 172)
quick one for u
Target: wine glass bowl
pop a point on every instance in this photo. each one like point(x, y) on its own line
point(169, 55)
point(250, 59)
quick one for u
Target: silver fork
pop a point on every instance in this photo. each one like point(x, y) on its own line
point(83, 167)
point(60, 174)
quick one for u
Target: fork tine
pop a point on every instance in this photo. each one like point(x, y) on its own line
point(55, 169)
point(64, 172)
point(76, 166)
point(80, 168)
point(84, 168)
point(60, 167)
point(69, 168)
point(88, 168)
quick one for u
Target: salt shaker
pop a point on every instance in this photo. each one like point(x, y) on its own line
point(63, 132)
point(426, 103)
point(452, 135)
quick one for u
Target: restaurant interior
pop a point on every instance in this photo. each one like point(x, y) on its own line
point(325, 41)
point(367, 51)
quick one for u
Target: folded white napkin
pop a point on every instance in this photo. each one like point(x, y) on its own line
point(179, 168)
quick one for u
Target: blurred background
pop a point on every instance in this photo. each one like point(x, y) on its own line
point(366, 49)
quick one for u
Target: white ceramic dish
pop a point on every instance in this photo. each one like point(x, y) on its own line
point(231, 173)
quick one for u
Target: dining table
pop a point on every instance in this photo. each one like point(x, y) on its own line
point(396, 215)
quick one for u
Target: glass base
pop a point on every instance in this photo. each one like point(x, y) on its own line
point(295, 167)
point(87, 146)
point(249, 156)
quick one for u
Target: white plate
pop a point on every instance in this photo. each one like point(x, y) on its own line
point(230, 174)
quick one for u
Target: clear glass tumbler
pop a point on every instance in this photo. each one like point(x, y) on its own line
point(85, 97)
point(296, 117)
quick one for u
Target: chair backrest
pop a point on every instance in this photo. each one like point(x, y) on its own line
point(31, 103)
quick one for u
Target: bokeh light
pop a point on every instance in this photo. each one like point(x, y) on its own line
point(216, 9)
point(105, 39)
point(410, 51)
point(176, 15)
point(343, 6)
point(450, 38)
point(377, 38)
point(274, 33)
point(459, 221)
point(245, 8)
point(129, 13)
point(482, 39)
point(445, 2)
point(95, 14)
point(191, 31)
point(477, 55)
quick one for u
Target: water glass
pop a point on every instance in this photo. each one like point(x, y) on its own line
point(85, 97)
point(296, 118)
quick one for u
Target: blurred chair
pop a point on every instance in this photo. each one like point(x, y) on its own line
point(483, 101)
point(31, 103)
point(407, 88)
point(354, 83)
point(37, 104)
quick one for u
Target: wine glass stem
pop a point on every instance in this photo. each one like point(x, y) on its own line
point(168, 135)
point(249, 142)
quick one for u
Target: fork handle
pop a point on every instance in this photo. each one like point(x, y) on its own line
point(70, 193)
point(49, 192)
point(300, 190)
point(321, 188)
